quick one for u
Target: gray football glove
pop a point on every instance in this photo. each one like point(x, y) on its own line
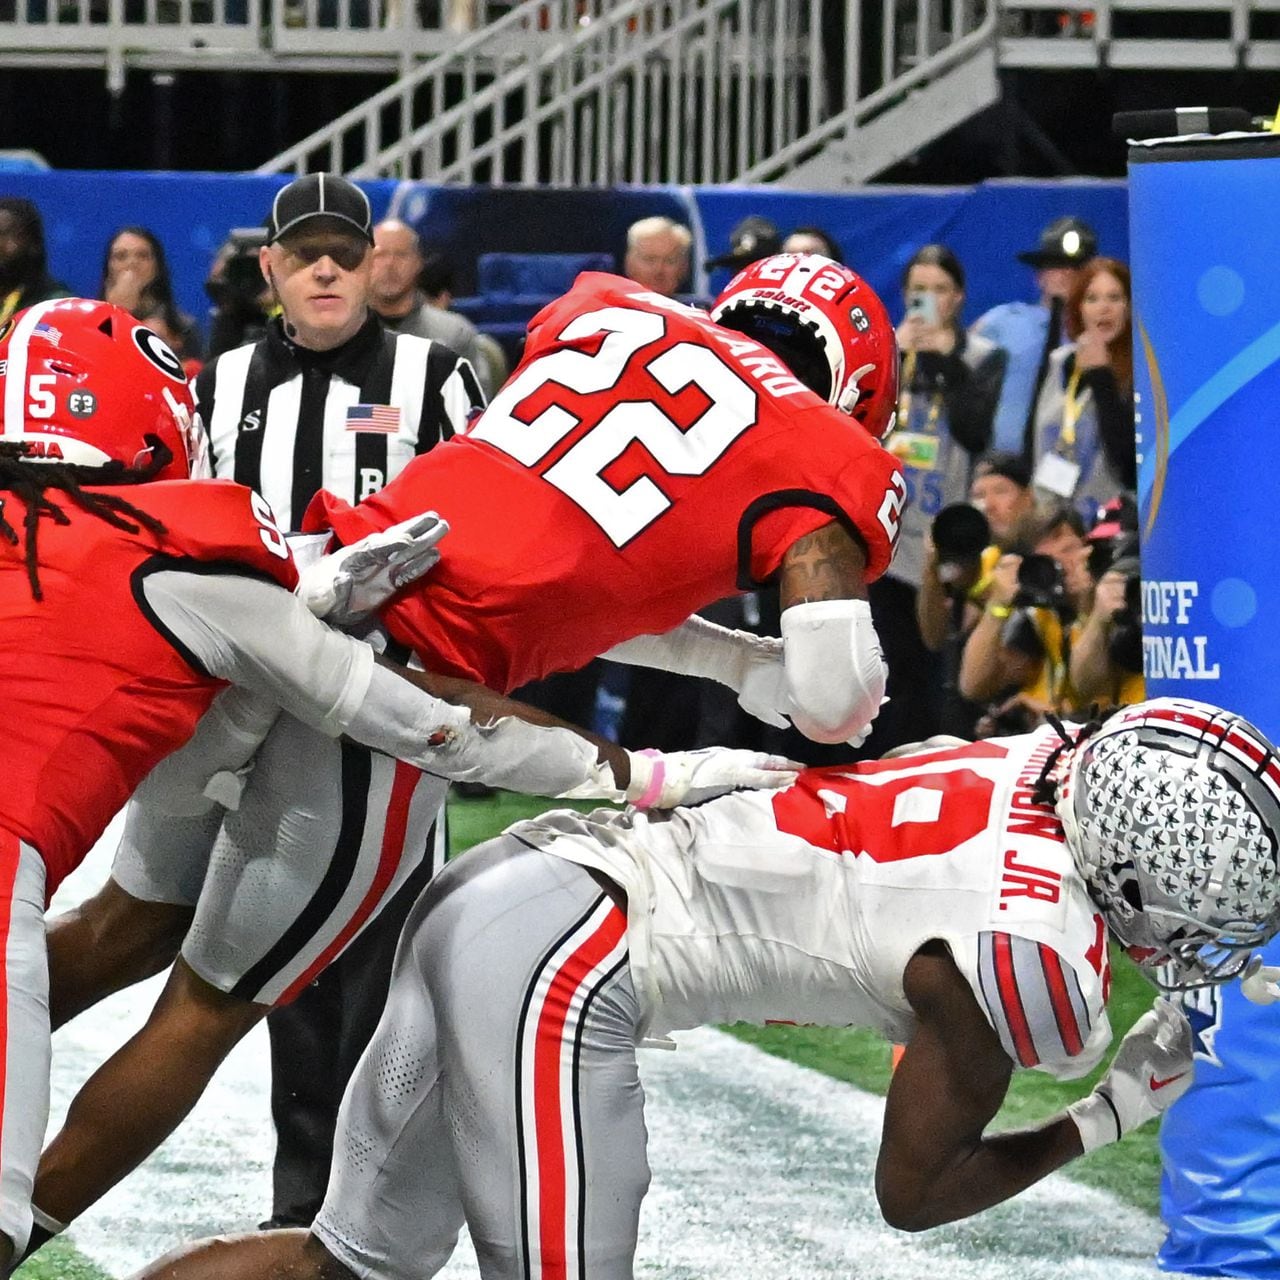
point(1152, 1069)
point(1260, 983)
point(347, 586)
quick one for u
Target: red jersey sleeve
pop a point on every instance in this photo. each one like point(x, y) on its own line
point(219, 521)
point(865, 497)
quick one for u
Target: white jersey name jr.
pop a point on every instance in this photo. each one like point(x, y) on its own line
point(805, 905)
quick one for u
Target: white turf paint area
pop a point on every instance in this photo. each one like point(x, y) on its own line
point(760, 1169)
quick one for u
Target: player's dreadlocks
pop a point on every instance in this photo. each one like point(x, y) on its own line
point(31, 480)
point(1045, 790)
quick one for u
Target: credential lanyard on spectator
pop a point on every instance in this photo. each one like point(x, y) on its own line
point(1070, 415)
point(930, 425)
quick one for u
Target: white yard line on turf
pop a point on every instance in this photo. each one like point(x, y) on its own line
point(760, 1168)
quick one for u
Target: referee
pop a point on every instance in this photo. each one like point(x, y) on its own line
point(330, 399)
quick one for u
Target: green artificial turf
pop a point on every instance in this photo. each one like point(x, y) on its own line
point(58, 1260)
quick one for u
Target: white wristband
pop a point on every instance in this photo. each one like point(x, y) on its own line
point(1097, 1120)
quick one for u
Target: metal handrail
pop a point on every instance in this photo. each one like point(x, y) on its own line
point(867, 108)
point(368, 113)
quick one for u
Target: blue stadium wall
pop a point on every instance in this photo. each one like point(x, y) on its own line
point(878, 227)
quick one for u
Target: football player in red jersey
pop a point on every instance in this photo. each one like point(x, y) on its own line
point(957, 898)
point(643, 461)
point(131, 595)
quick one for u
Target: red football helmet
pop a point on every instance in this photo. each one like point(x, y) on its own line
point(827, 324)
point(84, 383)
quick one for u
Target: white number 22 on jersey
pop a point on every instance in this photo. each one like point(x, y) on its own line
point(578, 474)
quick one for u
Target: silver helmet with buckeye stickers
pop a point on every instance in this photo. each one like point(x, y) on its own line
point(1172, 812)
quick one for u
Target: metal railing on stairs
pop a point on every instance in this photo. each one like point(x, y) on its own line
point(600, 92)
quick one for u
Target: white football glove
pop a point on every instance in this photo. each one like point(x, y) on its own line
point(1152, 1069)
point(662, 780)
point(1260, 983)
point(761, 680)
point(350, 584)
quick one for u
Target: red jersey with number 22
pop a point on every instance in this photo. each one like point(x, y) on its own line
point(640, 463)
point(92, 693)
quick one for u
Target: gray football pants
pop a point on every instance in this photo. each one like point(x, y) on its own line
point(501, 1085)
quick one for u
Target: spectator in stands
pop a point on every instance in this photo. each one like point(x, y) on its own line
point(24, 275)
point(1016, 656)
point(949, 385)
point(135, 276)
point(813, 240)
point(436, 282)
point(752, 239)
point(1030, 331)
point(398, 298)
point(1083, 448)
point(657, 256)
point(1001, 490)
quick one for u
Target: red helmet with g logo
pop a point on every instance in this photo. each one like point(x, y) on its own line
point(84, 383)
point(827, 324)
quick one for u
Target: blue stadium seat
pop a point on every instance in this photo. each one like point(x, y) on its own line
point(541, 274)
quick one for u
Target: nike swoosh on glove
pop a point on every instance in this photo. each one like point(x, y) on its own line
point(662, 780)
point(347, 586)
point(1152, 1069)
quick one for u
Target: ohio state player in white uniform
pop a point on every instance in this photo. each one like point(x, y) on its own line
point(958, 899)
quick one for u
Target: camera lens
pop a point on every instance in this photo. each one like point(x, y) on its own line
point(1041, 583)
point(960, 532)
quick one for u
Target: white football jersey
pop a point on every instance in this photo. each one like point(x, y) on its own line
point(805, 905)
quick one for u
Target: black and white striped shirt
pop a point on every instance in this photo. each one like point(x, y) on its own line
point(287, 421)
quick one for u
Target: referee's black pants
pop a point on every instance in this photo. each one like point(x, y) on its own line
point(315, 1044)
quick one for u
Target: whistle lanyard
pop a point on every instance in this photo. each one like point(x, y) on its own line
point(905, 397)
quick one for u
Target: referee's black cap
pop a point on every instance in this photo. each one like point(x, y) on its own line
point(320, 195)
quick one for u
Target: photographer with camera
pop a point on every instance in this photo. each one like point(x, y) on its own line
point(1018, 655)
point(1106, 658)
point(961, 552)
point(242, 301)
point(958, 558)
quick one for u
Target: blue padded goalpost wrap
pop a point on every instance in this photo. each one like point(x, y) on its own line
point(1203, 218)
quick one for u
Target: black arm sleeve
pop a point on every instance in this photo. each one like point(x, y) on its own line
point(970, 394)
point(1115, 423)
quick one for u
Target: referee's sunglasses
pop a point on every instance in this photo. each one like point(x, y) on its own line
point(302, 251)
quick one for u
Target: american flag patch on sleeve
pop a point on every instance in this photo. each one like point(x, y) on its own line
point(381, 418)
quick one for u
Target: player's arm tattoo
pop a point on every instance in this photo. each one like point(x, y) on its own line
point(827, 564)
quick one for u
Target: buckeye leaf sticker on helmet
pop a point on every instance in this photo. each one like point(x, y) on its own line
point(1172, 810)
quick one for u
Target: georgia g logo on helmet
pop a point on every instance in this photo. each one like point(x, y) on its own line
point(83, 382)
